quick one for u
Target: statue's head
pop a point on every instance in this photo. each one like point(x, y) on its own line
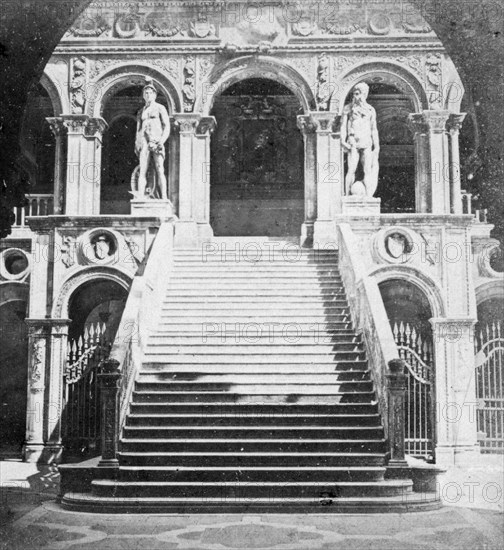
point(360, 91)
point(149, 91)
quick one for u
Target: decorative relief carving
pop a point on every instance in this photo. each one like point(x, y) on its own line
point(201, 27)
point(78, 85)
point(323, 83)
point(433, 82)
point(305, 26)
point(68, 251)
point(159, 23)
point(379, 24)
point(89, 26)
point(101, 66)
point(127, 24)
point(395, 245)
point(37, 366)
point(189, 88)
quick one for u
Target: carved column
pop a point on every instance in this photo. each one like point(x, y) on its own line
point(431, 161)
point(455, 391)
point(307, 127)
point(59, 131)
point(83, 174)
point(454, 125)
point(110, 380)
point(46, 360)
point(328, 175)
point(186, 231)
point(396, 390)
point(201, 176)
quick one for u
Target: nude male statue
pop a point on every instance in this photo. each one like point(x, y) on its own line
point(359, 136)
point(153, 129)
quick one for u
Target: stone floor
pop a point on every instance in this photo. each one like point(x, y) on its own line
point(472, 518)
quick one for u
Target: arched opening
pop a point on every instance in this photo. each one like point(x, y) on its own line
point(409, 311)
point(118, 157)
point(95, 310)
point(37, 141)
point(14, 376)
point(256, 161)
point(396, 177)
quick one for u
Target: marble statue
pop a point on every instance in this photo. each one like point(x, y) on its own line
point(153, 129)
point(359, 137)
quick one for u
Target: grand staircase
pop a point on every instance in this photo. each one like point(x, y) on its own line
point(254, 394)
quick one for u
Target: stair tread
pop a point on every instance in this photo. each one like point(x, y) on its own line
point(251, 440)
point(383, 483)
point(252, 468)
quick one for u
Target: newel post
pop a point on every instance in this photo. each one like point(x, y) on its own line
point(110, 382)
point(396, 390)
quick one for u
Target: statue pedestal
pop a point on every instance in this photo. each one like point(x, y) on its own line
point(144, 207)
point(354, 205)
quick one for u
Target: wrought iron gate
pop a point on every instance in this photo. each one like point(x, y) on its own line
point(81, 418)
point(417, 351)
point(489, 374)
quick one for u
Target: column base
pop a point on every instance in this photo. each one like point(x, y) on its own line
point(205, 231)
point(360, 206)
point(457, 455)
point(186, 234)
point(41, 453)
point(306, 238)
point(324, 234)
point(143, 207)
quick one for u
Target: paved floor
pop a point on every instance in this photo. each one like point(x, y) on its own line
point(472, 519)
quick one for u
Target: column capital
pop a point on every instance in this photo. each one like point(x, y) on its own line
point(83, 125)
point(187, 123)
point(325, 122)
point(95, 127)
point(455, 121)
point(206, 125)
point(57, 126)
point(75, 124)
point(431, 121)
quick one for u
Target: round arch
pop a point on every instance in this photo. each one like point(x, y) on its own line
point(53, 90)
point(243, 68)
point(84, 276)
point(415, 277)
point(490, 290)
point(385, 72)
point(126, 75)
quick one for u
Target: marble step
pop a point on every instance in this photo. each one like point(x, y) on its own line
point(254, 474)
point(213, 444)
point(253, 458)
point(219, 419)
point(245, 433)
point(325, 394)
point(264, 489)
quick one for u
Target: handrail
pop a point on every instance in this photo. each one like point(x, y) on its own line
point(138, 319)
point(368, 314)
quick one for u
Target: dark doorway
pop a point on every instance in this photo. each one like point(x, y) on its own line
point(257, 153)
